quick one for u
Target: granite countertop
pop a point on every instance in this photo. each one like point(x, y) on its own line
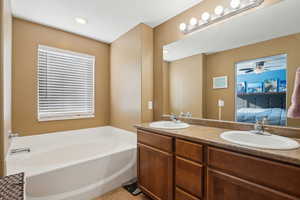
point(211, 136)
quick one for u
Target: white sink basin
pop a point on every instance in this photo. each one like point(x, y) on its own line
point(267, 141)
point(169, 125)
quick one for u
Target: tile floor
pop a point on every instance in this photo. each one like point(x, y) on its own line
point(121, 194)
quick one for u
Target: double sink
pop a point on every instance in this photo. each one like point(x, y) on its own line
point(244, 138)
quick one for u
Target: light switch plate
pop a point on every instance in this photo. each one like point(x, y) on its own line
point(150, 105)
point(221, 103)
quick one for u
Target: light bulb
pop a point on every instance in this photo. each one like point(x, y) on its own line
point(219, 10)
point(205, 16)
point(235, 4)
point(182, 26)
point(193, 21)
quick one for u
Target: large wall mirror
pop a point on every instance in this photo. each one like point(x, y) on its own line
point(244, 76)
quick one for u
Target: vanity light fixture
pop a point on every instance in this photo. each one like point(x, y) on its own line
point(205, 17)
point(235, 4)
point(193, 21)
point(183, 27)
point(80, 20)
point(220, 13)
point(219, 10)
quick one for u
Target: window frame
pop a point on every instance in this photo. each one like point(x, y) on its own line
point(66, 116)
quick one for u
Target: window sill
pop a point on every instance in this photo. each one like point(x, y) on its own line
point(44, 119)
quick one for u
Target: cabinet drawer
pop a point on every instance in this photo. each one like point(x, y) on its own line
point(189, 150)
point(282, 177)
point(189, 176)
point(158, 141)
point(181, 195)
point(223, 186)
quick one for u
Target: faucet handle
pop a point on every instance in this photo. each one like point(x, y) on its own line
point(182, 114)
point(189, 114)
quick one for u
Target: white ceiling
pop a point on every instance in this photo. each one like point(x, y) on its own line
point(107, 19)
point(260, 25)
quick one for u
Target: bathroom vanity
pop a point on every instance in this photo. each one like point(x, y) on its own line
point(196, 164)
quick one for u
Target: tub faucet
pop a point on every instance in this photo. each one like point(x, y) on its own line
point(19, 150)
point(13, 135)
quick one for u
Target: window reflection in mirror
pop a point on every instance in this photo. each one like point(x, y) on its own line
point(261, 90)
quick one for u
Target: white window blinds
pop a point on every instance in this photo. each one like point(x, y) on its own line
point(65, 84)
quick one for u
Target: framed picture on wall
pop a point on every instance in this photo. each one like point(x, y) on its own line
point(220, 82)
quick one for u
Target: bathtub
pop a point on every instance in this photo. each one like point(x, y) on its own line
point(75, 165)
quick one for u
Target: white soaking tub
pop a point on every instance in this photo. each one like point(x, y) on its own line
point(75, 165)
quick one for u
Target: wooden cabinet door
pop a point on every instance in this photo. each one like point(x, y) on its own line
point(189, 176)
point(221, 186)
point(155, 172)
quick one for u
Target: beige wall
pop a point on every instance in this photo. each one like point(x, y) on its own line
point(131, 77)
point(6, 40)
point(223, 64)
point(186, 85)
point(1, 95)
point(168, 32)
point(147, 72)
point(26, 38)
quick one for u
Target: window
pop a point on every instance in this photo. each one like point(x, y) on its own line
point(65, 84)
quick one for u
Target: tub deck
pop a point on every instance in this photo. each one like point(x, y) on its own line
point(75, 165)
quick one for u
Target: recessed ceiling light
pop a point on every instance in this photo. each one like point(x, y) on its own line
point(80, 20)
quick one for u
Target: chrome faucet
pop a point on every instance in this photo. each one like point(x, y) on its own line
point(174, 118)
point(259, 126)
point(19, 150)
